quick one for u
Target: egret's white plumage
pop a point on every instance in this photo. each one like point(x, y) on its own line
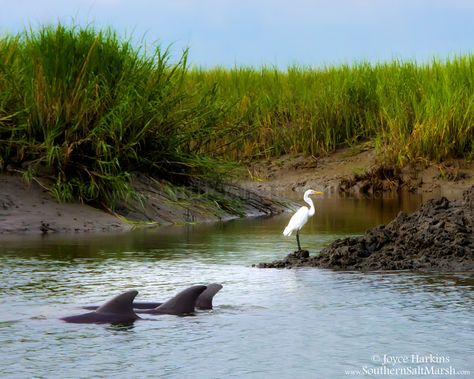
point(301, 217)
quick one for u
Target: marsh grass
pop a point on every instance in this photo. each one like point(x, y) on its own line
point(88, 108)
point(409, 111)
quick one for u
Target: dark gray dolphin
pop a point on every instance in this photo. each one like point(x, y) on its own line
point(204, 300)
point(183, 303)
point(118, 310)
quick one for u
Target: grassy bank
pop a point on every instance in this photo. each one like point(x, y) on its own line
point(410, 111)
point(88, 108)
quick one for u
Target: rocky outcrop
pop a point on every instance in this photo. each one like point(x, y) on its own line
point(437, 237)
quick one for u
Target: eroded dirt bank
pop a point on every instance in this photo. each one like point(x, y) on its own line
point(437, 237)
point(357, 172)
point(30, 209)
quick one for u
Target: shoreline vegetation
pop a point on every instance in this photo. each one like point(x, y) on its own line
point(84, 112)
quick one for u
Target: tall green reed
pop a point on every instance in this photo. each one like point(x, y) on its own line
point(410, 111)
point(90, 108)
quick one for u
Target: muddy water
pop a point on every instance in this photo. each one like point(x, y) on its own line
point(303, 323)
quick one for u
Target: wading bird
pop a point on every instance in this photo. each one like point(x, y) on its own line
point(301, 216)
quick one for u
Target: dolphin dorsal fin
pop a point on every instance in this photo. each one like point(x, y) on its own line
point(122, 303)
point(184, 302)
point(204, 301)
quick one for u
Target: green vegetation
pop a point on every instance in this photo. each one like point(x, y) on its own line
point(409, 111)
point(88, 109)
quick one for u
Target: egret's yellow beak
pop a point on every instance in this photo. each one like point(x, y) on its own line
point(318, 193)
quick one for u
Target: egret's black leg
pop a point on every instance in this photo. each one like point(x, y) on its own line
point(298, 239)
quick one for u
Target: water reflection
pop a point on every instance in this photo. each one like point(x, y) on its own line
point(283, 323)
point(334, 215)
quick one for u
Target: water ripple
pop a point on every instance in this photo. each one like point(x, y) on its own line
point(281, 323)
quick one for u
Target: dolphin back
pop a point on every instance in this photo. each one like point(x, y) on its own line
point(204, 301)
point(120, 304)
point(183, 303)
point(117, 310)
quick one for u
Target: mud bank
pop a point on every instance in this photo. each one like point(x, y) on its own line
point(198, 202)
point(356, 172)
point(30, 209)
point(437, 237)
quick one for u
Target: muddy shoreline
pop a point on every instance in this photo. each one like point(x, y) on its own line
point(356, 172)
point(28, 208)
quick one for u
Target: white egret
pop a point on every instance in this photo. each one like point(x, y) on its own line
point(301, 216)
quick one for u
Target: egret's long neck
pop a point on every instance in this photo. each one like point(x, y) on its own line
point(311, 205)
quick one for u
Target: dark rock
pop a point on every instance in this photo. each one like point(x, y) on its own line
point(300, 254)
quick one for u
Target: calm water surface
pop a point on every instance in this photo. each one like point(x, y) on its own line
point(304, 323)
